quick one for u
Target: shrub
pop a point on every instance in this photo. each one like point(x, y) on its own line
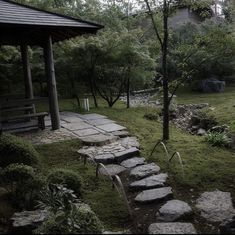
point(14, 150)
point(78, 221)
point(68, 178)
point(67, 216)
point(218, 139)
point(152, 116)
point(23, 183)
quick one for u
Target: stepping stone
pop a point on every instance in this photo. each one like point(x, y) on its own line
point(130, 142)
point(172, 228)
point(105, 158)
point(123, 155)
point(133, 162)
point(112, 170)
point(174, 210)
point(144, 171)
point(99, 139)
point(93, 117)
point(98, 122)
point(216, 206)
point(111, 127)
point(86, 132)
point(153, 195)
point(76, 126)
point(154, 181)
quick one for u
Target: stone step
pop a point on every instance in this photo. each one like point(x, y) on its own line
point(172, 228)
point(118, 157)
point(99, 139)
point(126, 154)
point(112, 170)
point(133, 162)
point(141, 172)
point(154, 195)
point(155, 181)
point(174, 210)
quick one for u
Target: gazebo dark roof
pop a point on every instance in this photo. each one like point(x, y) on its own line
point(26, 24)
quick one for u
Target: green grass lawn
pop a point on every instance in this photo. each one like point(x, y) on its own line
point(206, 167)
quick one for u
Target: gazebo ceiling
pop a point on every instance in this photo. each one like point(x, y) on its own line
point(24, 24)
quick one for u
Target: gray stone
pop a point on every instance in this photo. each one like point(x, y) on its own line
point(72, 119)
point(105, 158)
point(28, 220)
point(86, 132)
point(76, 126)
point(99, 140)
point(130, 142)
point(153, 195)
point(201, 132)
point(174, 210)
point(154, 181)
point(112, 170)
point(128, 153)
point(98, 122)
point(111, 127)
point(93, 117)
point(144, 171)
point(133, 162)
point(172, 228)
point(216, 206)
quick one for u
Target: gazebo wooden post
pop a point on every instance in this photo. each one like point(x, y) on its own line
point(27, 72)
point(51, 83)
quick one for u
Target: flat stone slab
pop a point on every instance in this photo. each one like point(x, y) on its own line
point(154, 181)
point(133, 162)
point(76, 126)
point(98, 122)
point(99, 139)
point(105, 158)
point(128, 153)
point(72, 119)
point(172, 228)
point(86, 132)
point(130, 142)
point(111, 127)
point(174, 210)
point(216, 206)
point(29, 218)
point(93, 116)
point(144, 171)
point(153, 195)
point(112, 170)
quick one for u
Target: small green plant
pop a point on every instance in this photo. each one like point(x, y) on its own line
point(152, 116)
point(23, 184)
point(68, 178)
point(14, 150)
point(218, 139)
point(67, 215)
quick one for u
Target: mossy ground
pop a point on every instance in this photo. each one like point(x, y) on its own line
point(206, 167)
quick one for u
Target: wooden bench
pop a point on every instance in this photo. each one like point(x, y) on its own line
point(20, 114)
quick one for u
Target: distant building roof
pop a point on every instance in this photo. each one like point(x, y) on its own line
point(19, 18)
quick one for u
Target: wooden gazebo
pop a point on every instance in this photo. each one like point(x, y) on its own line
point(24, 26)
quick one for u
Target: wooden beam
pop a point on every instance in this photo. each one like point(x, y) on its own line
point(51, 83)
point(27, 72)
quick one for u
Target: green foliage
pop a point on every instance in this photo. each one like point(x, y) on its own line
point(23, 183)
point(152, 116)
point(67, 216)
point(218, 139)
point(68, 178)
point(16, 150)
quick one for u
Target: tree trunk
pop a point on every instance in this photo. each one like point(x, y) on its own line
point(128, 89)
point(166, 134)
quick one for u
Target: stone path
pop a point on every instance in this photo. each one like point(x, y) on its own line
point(92, 129)
point(149, 195)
